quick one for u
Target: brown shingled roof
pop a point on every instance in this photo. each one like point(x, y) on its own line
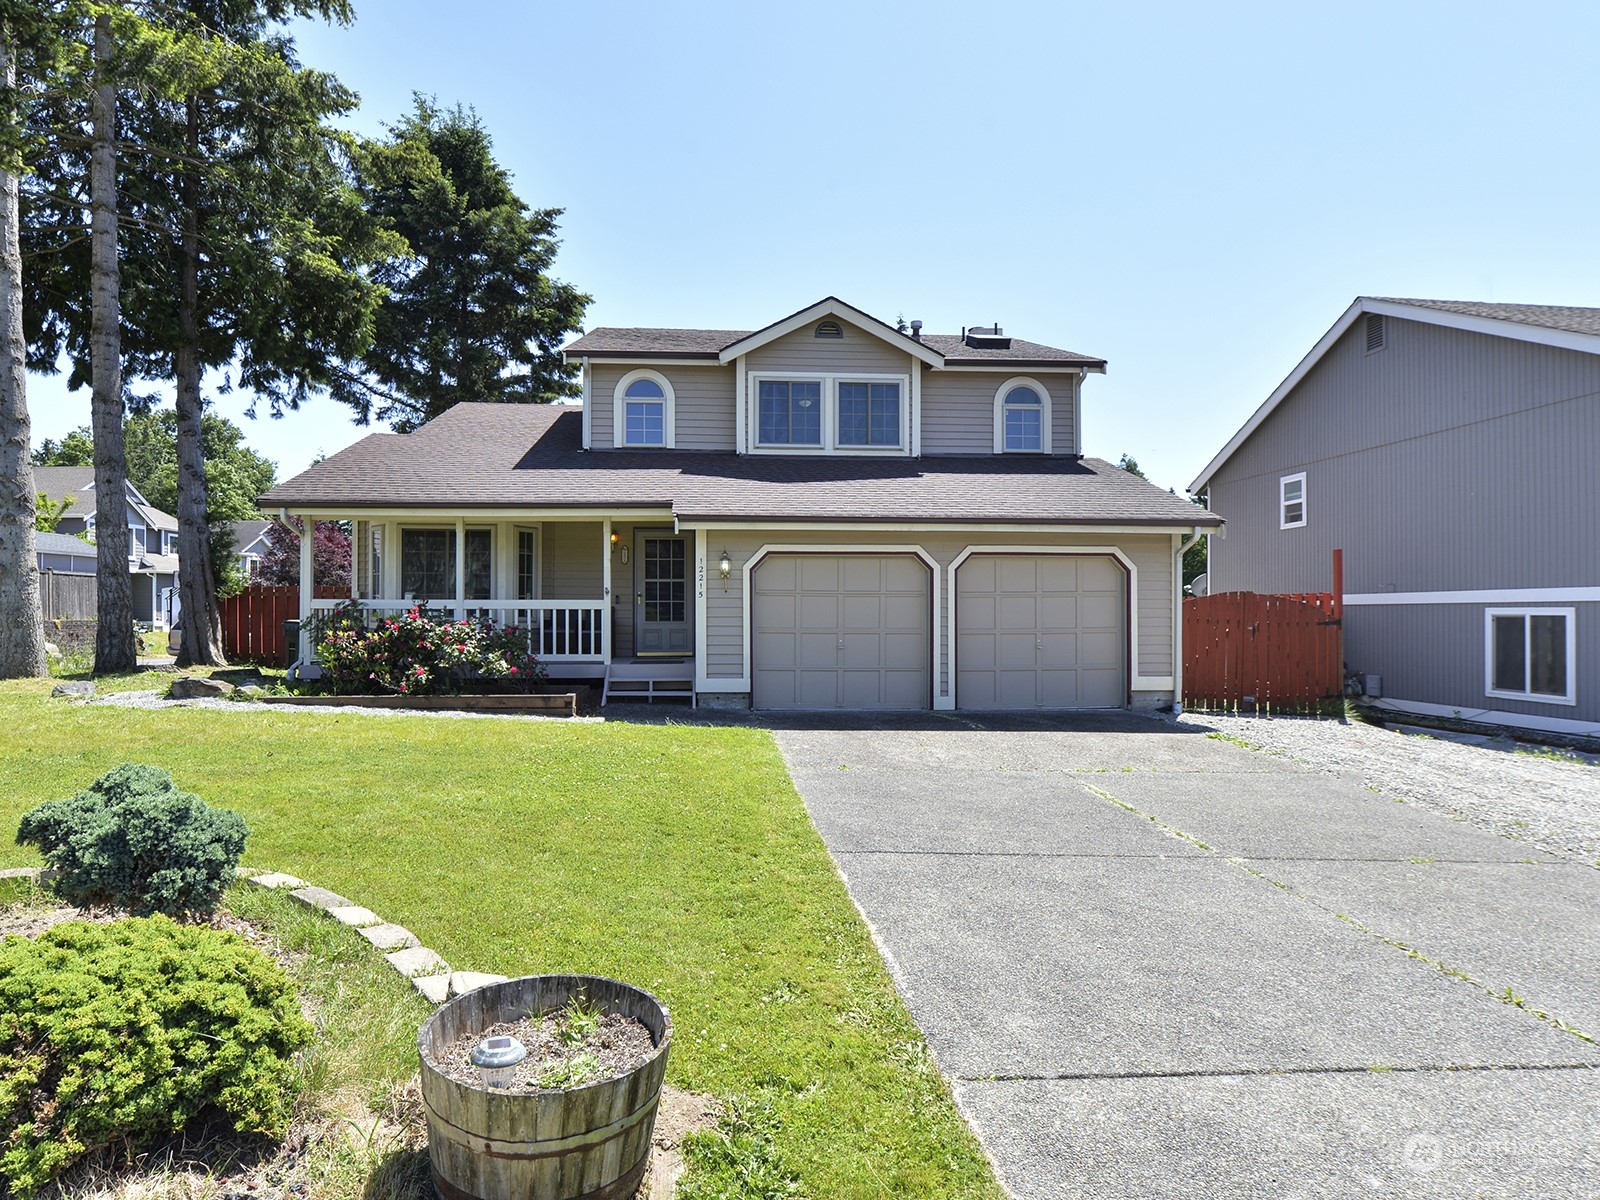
point(1547, 316)
point(517, 455)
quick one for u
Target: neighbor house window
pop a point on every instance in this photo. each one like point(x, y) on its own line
point(644, 410)
point(869, 414)
point(1022, 418)
point(428, 564)
point(790, 412)
point(1292, 501)
point(1530, 654)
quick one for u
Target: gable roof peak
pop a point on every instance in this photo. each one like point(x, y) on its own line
point(832, 306)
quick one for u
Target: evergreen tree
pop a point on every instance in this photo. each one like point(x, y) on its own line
point(472, 312)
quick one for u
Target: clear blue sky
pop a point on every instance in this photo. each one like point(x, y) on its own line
point(1194, 193)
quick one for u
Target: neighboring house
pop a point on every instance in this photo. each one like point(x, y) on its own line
point(63, 553)
point(1450, 450)
point(825, 513)
point(251, 544)
point(152, 538)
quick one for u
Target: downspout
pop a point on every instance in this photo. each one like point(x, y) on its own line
point(1177, 620)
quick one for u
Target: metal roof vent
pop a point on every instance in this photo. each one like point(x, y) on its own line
point(987, 337)
point(1377, 335)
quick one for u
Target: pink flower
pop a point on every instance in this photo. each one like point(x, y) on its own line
point(513, 670)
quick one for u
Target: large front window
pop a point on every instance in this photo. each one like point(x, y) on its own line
point(1530, 654)
point(790, 413)
point(428, 564)
point(869, 414)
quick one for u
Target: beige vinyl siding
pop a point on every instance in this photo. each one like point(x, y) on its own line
point(703, 404)
point(958, 410)
point(572, 566)
point(1152, 556)
point(805, 353)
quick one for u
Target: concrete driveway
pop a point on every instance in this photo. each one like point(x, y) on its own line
point(1153, 963)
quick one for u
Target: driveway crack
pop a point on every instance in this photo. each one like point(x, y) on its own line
point(1257, 1072)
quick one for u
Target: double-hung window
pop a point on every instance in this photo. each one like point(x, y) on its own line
point(643, 409)
point(1529, 654)
point(428, 564)
point(789, 412)
point(1292, 501)
point(869, 414)
point(1022, 417)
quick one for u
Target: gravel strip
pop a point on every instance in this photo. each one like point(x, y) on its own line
point(1553, 806)
point(161, 700)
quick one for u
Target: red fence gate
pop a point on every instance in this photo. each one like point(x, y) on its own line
point(252, 621)
point(1244, 650)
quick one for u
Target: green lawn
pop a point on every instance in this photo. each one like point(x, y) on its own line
point(678, 858)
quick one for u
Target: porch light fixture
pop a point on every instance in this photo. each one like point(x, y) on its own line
point(725, 568)
point(496, 1059)
point(615, 538)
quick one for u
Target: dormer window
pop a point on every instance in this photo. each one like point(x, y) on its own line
point(644, 410)
point(1022, 418)
point(830, 329)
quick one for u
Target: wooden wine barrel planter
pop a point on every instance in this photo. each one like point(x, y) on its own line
point(583, 1143)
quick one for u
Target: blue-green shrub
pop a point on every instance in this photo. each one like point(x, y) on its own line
point(125, 1031)
point(131, 839)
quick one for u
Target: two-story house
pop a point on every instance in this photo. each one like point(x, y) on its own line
point(823, 513)
point(152, 538)
point(1452, 450)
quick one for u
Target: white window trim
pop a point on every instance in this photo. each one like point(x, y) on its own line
point(619, 410)
point(830, 413)
point(1283, 503)
point(1046, 411)
point(1529, 697)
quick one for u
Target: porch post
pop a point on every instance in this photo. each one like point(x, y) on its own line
point(461, 567)
point(357, 558)
point(605, 589)
point(308, 537)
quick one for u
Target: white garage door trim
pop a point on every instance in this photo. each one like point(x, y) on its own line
point(761, 553)
point(1136, 682)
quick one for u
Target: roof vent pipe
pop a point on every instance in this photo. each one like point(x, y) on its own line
point(916, 330)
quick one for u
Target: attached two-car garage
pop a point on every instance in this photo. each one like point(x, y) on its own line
point(857, 631)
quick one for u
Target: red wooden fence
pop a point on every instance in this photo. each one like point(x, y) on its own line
point(252, 621)
point(1244, 650)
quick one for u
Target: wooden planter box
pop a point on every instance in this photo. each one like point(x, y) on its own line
point(584, 1143)
point(562, 704)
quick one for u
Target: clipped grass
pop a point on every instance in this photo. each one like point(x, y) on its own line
point(678, 858)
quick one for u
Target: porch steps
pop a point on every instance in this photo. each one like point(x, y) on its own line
point(649, 680)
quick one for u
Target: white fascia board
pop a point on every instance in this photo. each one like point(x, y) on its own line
point(1282, 390)
point(1184, 527)
point(1548, 595)
point(1515, 330)
point(832, 307)
point(445, 515)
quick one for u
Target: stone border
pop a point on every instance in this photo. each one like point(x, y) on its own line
point(429, 974)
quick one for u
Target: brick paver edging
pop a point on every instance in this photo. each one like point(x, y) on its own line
point(428, 973)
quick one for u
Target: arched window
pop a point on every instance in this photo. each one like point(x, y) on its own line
point(644, 410)
point(1022, 417)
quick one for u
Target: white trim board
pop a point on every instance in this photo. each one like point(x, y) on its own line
point(1516, 330)
point(1491, 716)
point(832, 306)
point(1560, 595)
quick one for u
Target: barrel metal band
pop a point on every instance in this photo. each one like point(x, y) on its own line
point(550, 1148)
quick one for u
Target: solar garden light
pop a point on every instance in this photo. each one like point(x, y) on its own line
point(496, 1059)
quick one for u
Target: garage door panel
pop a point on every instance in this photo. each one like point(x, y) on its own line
point(1040, 631)
point(857, 629)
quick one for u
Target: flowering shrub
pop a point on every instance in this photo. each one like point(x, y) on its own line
point(417, 654)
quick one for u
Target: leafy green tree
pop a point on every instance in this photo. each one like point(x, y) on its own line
point(48, 512)
point(244, 242)
point(1130, 464)
point(74, 450)
point(472, 313)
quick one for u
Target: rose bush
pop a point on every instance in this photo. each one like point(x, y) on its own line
point(418, 654)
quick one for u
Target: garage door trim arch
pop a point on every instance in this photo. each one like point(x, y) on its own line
point(749, 569)
point(1129, 601)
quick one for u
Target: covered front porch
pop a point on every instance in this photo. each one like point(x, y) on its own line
point(589, 589)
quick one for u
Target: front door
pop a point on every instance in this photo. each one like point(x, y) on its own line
point(661, 599)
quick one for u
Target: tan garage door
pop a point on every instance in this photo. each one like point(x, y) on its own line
point(1040, 631)
point(841, 631)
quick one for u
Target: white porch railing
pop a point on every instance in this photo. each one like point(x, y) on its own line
point(558, 631)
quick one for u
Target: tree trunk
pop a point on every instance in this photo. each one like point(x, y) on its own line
point(115, 646)
point(21, 619)
point(197, 582)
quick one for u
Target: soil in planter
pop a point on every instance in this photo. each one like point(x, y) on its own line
point(567, 1048)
